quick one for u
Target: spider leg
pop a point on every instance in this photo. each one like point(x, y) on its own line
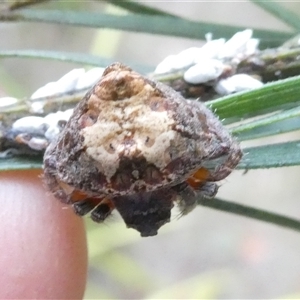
point(188, 195)
point(102, 211)
point(100, 208)
point(83, 207)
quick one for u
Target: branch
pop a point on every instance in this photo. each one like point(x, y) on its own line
point(272, 64)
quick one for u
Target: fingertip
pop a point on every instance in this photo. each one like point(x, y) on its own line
point(43, 243)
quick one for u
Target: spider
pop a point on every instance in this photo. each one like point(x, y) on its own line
point(137, 146)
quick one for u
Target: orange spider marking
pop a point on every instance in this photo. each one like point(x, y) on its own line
point(198, 178)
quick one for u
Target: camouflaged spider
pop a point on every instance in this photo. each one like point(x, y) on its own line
point(137, 146)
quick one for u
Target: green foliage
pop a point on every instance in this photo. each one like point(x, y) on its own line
point(155, 24)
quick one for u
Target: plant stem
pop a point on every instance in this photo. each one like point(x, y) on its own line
point(272, 64)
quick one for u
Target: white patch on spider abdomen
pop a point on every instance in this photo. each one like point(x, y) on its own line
point(129, 128)
point(158, 152)
point(98, 140)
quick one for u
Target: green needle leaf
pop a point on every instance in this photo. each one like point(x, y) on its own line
point(73, 57)
point(251, 212)
point(277, 123)
point(135, 7)
point(271, 156)
point(269, 98)
point(280, 12)
point(164, 25)
point(279, 127)
point(20, 163)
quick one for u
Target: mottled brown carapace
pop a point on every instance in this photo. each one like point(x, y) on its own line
point(137, 146)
